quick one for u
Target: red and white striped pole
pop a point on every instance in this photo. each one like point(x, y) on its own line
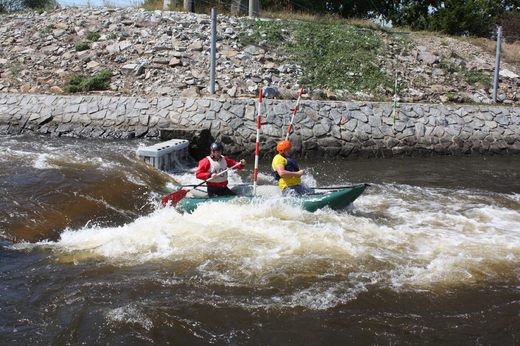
point(294, 113)
point(257, 149)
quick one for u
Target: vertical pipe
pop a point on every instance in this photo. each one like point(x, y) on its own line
point(189, 5)
point(251, 8)
point(213, 58)
point(497, 64)
point(166, 5)
point(257, 148)
point(394, 103)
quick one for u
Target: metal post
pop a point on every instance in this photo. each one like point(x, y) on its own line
point(213, 58)
point(497, 64)
point(394, 104)
point(189, 5)
point(251, 8)
point(254, 8)
point(169, 4)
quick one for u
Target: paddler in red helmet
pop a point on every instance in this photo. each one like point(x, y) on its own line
point(287, 172)
point(210, 168)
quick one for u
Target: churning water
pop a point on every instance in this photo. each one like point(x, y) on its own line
point(429, 254)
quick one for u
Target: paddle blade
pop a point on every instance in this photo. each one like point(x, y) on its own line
point(174, 197)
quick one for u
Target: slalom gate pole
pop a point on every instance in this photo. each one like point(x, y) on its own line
point(394, 103)
point(257, 149)
point(294, 113)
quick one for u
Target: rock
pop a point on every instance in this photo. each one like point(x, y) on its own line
point(331, 95)
point(161, 61)
point(438, 89)
point(270, 92)
point(232, 91)
point(56, 89)
point(229, 52)
point(195, 46)
point(25, 88)
point(191, 92)
point(508, 74)
point(113, 49)
point(174, 62)
point(128, 68)
point(92, 65)
point(254, 50)
point(139, 70)
point(426, 57)
point(58, 33)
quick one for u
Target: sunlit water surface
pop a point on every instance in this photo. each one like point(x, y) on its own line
point(429, 254)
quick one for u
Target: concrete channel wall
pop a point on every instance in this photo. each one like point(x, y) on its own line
point(322, 128)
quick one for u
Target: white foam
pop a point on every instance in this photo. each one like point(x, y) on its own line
point(391, 240)
point(130, 314)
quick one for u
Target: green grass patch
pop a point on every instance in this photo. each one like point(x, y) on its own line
point(99, 81)
point(332, 55)
point(47, 29)
point(81, 46)
point(93, 36)
point(472, 77)
point(14, 70)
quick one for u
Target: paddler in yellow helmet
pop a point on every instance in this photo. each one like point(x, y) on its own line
point(287, 172)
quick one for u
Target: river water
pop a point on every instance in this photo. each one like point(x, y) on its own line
point(429, 254)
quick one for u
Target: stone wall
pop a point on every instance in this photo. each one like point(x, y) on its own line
point(322, 128)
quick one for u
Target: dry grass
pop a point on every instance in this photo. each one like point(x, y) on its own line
point(510, 51)
point(152, 5)
point(301, 16)
point(322, 19)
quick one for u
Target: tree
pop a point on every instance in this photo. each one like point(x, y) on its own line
point(470, 17)
point(16, 5)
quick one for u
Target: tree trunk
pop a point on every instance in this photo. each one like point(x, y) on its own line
point(240, 7)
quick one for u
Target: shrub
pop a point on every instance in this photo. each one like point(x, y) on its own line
point(82, 46)
point(14, 70)
point(47, 29)
point(7, 6)
point(93, 36)
point(511, 25)
point(100, 81)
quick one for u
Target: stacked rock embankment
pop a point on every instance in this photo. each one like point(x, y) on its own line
point(160, 53)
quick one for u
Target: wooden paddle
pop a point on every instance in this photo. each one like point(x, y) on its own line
point(176, 196)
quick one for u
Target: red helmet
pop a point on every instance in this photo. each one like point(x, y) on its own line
point(283, 146)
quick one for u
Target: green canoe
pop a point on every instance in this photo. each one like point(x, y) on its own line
point(336, 200)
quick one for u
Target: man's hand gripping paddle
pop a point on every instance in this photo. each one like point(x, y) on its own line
point(176, 196)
